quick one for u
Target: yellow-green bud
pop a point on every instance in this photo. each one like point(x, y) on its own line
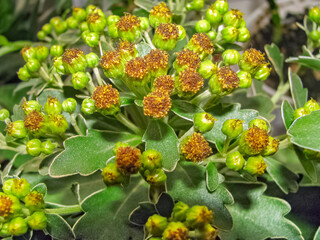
point(207, 232)
point(272, 147)
point(156, 224)
point(18, 226)
point(23, 74)
point(34, 201)
point(4, 114)
point(232, 128)
point(58, 65)
point(213, 15)
point(30, 106)
point(235, 161)
point(231, 56)
point(263, 72)
point(53, 106)
point(56, 124)
point(90, 38)
point(253, 141)
point(69, 105)
point(245, 79)
point(255, 165)
point(42, 53)
point(179, 212)
point(203, 122)
point(198, 216)
point(203, 26)
point(262, 124)
point(56, 50)
point(20, 188)
point(88, 106)
point(311, 106)
point(37, 221)
point(47, 147)
point(155, 177)
point(33, 65)
point(80, 80)
point(233, 18)
point(33, 147)
point(16, 129)
point(92, 60)
point(300, 112)
point(111, 175)
point(151, 159)
point(230, 34)
point(96, 22)
point(314, 15)
point(79, 14)
point(207, 68)
point(175, 230)
point(72, 22)
point(244, 34)
point(47, 28)
point(4, 231)
point(221, 5)
point(28, 53)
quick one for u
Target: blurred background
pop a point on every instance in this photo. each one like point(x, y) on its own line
point(268, 21)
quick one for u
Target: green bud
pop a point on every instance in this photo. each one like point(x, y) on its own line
point(42, 53)
point(314, 15)
point(155, 177)
point(47, 28)
point(212, 35)
point(207, 68)
point(79, 14)
point(272, 147)
point(23, 74)
point(72, 22)
point(253, 141)
point(18, 226)
point(244, 34)
point(235, 161)
point(314, 35)
point(300, 112)
point(181, 32)
point(47, 147)
point(34, 201)
point(96, 22)
point(245, 79)
point(53, 106)
point(41, 35)
point(223, 81)
point(80, 80)
point(231, 56)
point(222, 6)
point(156, 224)
point(203, 122)
point(88, 106)
point(69, 105)
point(151, 159)
point(179, 212)
point(311, 106)
point(74, 61)
point(56, 124)
point(4, 231)
point(203, 26)
point(37, 221)
point(262, 124)
point(33, 65)
point(20, 188)
point(144, 23)
point(7, 186)
point(113, 31)
point(28, 53)
point(111, 175)
point(33, 147)
point(16, 129)
point(84, 27)
point(56, 50)
point(92, 60)
point(233, 18)
point(251, 60)
point(4, 114)
point(230, 34)
point(59, 25)
point(112, 19)
point(213, 15)
point(198, 216)
point(58, 65)
point(255, 165)
point(232, 128)
point(197, 5)
point(175, 230)
point(207, 232)
point(263, 72)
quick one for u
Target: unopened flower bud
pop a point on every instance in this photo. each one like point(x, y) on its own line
point(59, 25)
point(300, 112)
point(129, 27)
point(84, 27)
point(221, 5)
point(92, 60)
point(33, 147)
point(4, 231)
point(47, 28)
point(230, 56)
point(207, 232)
point(42, 53)
point(112, 19)
point(56, 50)
point(41, 35)
point(47, 147)
point(57, 124)
point(202, 26)
point(113, 31)
point(160, 14)
point(223, 81)
point(23, 74)
point(16, 129)
point(207, 68)
point(156, 224)
point(4, 114)
point(262, 72)
point(179, 212)
point(213, 15)
point(144, 23)
point(28, 53)
point(195, 148)
point(272, 147)
point(155, 177)
point(195, 5)
point(262, 124)
point(230, 34)
point(244, 34)
point(79, 80)
point(151, 159)
point(33, 65)
point(111, 175)
point(96, 22)
point(69, 105)
point(314, 15)
point(235, 161)
point(245, 79)
point(201, 44)
point(311, 106)
point(58, 65)
point(232, 128)
point(198, 216)
point(53, 106)
point(255, 165)
point(233, 18)
point(175, 230)
point(90, 38)
point(72, 22)
point(34, 201)
point(88, 106)
point(203, 122)
point(37, 221)
point(166, 36)
point(253, 141)
point(74, 60)
point(20, 188)
point(18, 226)
point(79, 14)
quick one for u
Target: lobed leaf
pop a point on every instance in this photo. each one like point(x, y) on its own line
point(299, 94)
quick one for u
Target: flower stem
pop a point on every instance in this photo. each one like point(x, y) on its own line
point(59, 80)
point(147, 37)
point(121, 118)
point(226, 146)
point(99, 78)
point(75, 124)
point(64, 210)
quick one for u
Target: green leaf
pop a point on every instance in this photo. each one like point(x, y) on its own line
point(317, 235)
point(86, 154)
point(126, 99)
point(13, 46)
point(165, 205)
point(145, 4)
point(283, 177)
point(9, 98)
point(223, 112)
point(307, 165)
point(287, 113)
point(58, 228)
point(276, 58)
point(184, 109)
point(299, 94)
point(305, 131)
point(140, 215)
point(307, 61)
point(161, 137)
point(187, 183)
point(107, 212)
point(212, 177)
point(256, 216)
point(70, 37)
point(41, 188)
point(143, 49)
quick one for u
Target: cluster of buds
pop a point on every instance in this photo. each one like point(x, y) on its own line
point(309, 107)
point(20, 208)
point(129, 160)
point(185, 222)
point(314, 35)
point(254, 144)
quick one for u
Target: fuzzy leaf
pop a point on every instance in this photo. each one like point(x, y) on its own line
point(140, 215)
point(299, 94)
point(283, 177)
point(307, 164)
point(276, 58)
point(146, 4)
point(307, 61)
point(187, 183)
point(165, 205)
point(256, 216)
point(212, 177)
point(41, 188)
point(58, 228)
point(287, 113)
point(107, 212)
point(86, 154)
point(223, 112)
point(161, 137)
point(143, 49)
point(185, 109)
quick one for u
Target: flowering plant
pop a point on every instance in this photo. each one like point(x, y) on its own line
point(153, 126)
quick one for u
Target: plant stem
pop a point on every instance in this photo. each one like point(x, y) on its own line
point(59, 80)
point(97, 74)
point(170, 3)
point(201, 97)
point(121, 118)
point(75, 124)
point(44, 74)
point(216, 158)
point(282, 89)
point(64, 210)
point(226, 146)
point(147, 37)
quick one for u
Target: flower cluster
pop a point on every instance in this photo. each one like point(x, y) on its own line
point(185, 223)
point(21, 208)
